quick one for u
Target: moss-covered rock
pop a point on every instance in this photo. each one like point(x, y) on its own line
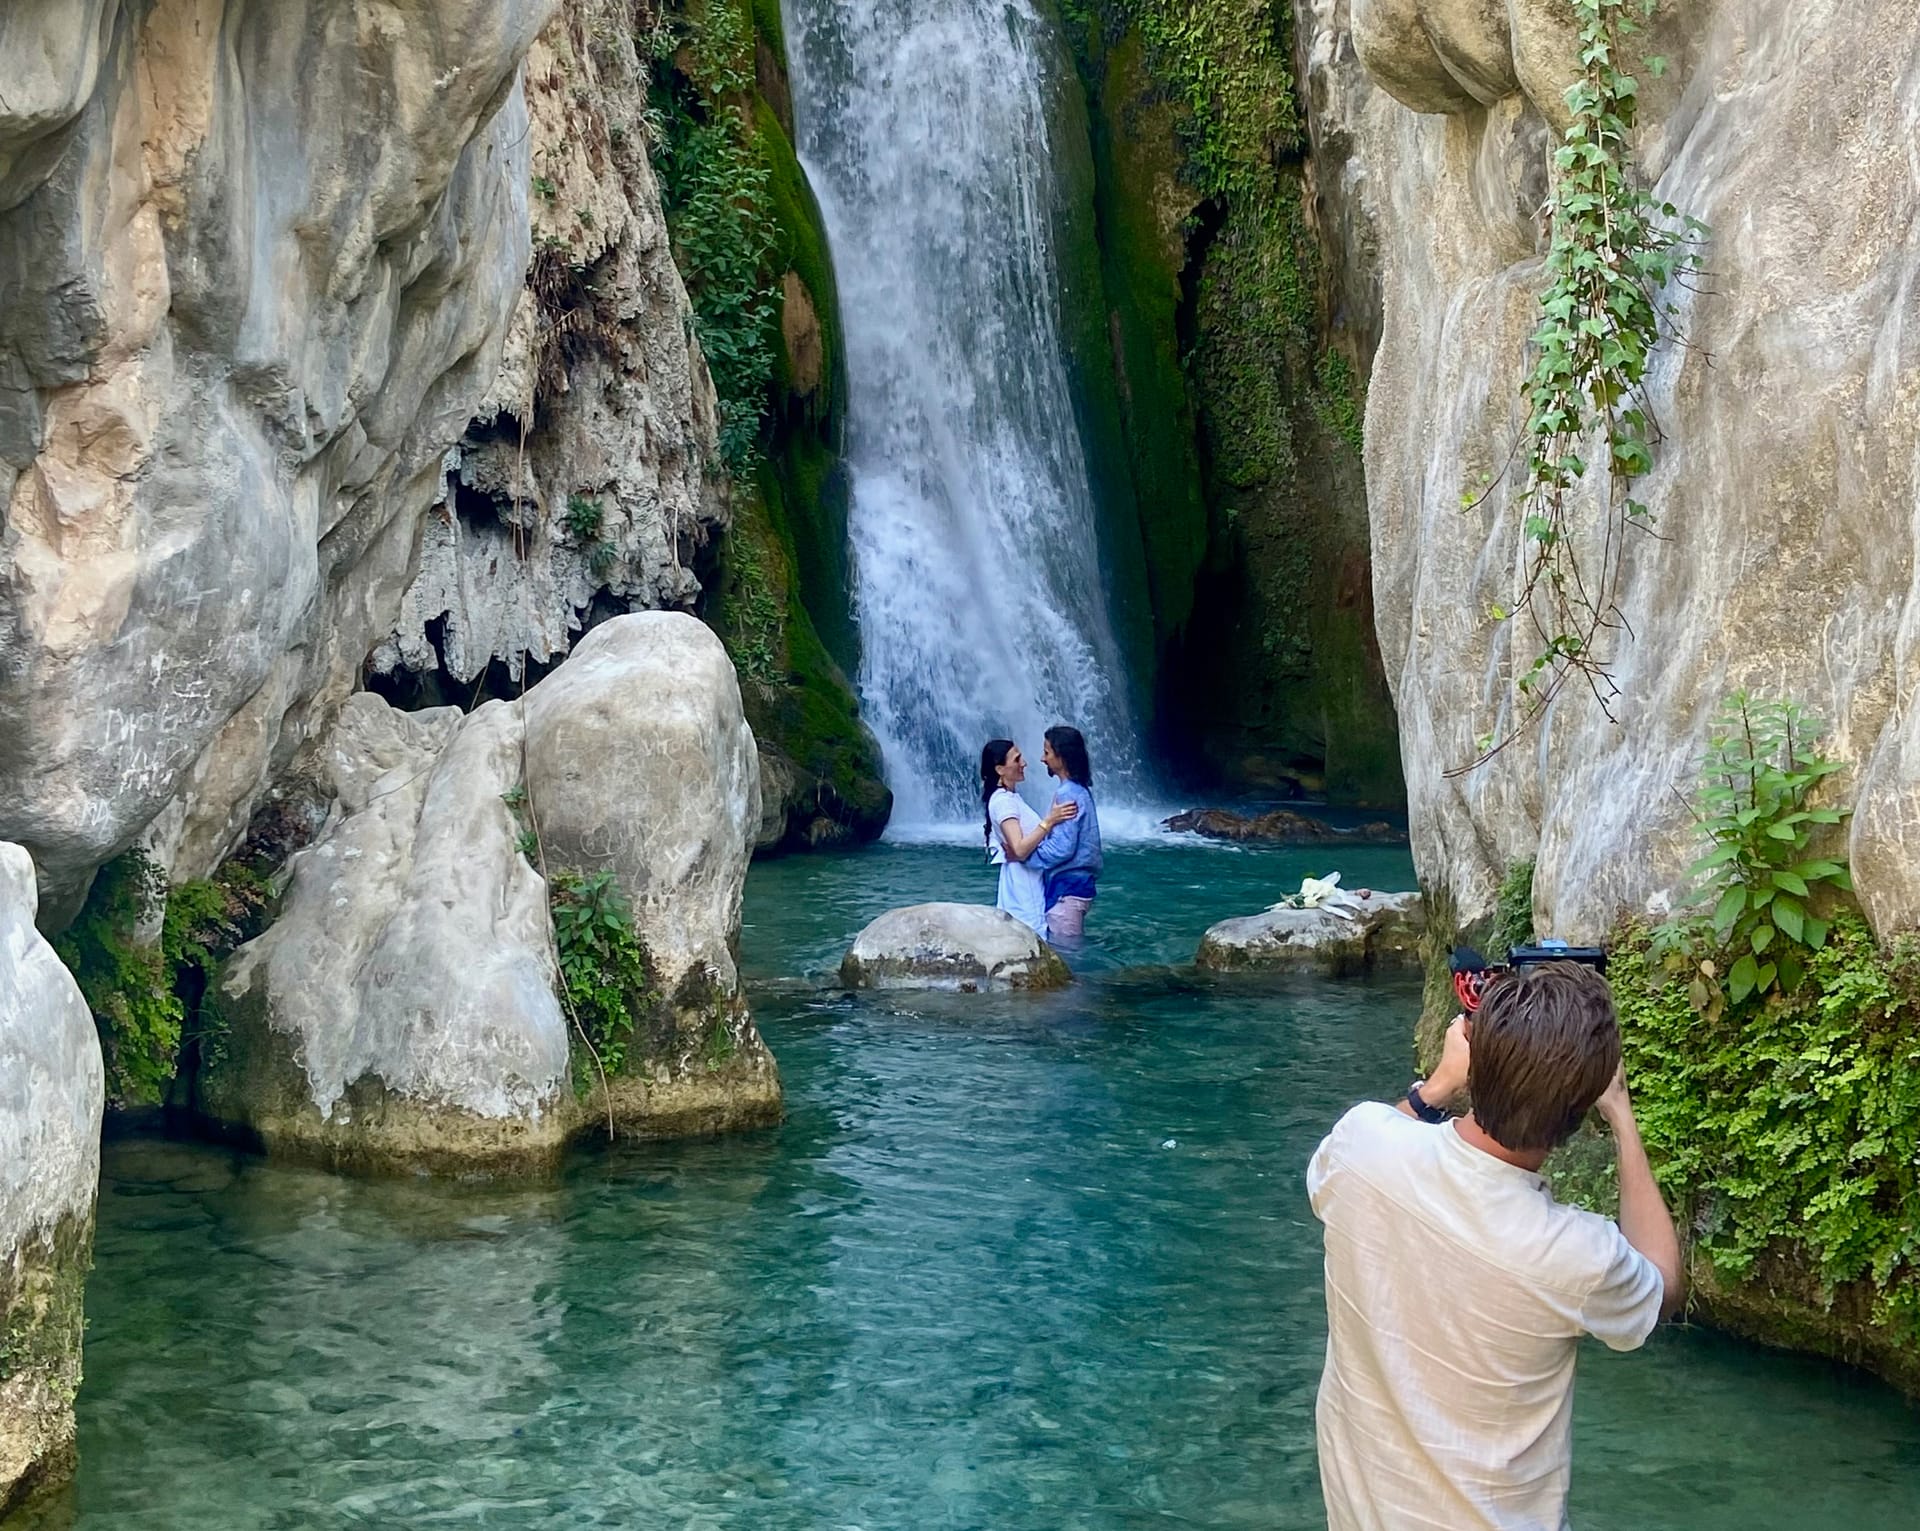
point(780, 591)
point(42, 1323)
point(1240, 410)
point(821, 770)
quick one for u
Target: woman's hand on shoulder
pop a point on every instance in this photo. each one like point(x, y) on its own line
point(1060, 812)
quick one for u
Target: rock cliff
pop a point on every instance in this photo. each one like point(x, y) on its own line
point(585, 482)
point(1785, 481)
point(260, 261)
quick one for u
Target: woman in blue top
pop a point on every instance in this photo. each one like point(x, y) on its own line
point(1069, 857)
point(1014, 832)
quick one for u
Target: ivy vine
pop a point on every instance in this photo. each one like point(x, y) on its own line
point(1614, 253)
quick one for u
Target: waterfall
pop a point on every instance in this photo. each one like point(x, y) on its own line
point(977, 583)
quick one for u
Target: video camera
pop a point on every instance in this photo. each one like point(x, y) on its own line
point(1472, 973)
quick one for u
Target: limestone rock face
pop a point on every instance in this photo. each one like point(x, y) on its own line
point(1356, 935)
point(583, 484)
point(968, 947)
point(52, 1091)
point(260, 264)
point(402, 1011)
point(1785, 481)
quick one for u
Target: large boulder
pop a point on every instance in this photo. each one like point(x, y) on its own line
point(403, 1010)
point(640, 761)
point(968, 947)
point(1357, 933)
point(52, 1091)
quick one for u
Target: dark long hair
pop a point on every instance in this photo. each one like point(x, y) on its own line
point(1071, 749)
point(992, 758)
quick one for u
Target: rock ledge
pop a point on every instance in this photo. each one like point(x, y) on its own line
point(1357, 934)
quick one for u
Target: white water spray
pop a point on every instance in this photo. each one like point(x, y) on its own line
point(977, 582)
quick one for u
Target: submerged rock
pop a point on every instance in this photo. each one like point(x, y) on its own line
point(52, 1091)
point(969, 947)
point(402, 1012)
point(1358, 933)
point(1280, 827)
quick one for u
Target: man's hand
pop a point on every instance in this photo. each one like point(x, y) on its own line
point(1615, 1105)
point(1448, 1081)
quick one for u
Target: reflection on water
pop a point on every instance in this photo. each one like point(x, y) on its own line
point(1011, 1263)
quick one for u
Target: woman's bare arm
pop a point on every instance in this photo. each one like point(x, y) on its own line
point(1020, 844)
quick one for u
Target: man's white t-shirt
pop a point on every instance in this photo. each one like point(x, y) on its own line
point(1023, 891)
point(1457, 1292)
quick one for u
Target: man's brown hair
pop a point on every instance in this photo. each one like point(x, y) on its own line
point(1545, 1047)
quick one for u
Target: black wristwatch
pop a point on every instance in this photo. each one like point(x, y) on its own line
point(1421, 1109)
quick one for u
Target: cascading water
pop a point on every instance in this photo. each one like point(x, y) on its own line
point(977, 579)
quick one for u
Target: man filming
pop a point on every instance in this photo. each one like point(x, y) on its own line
point(1458, 1289)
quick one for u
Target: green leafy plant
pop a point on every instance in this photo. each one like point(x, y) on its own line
point(1614, 253)
point(543, 187)
point(752, 619)
point(715, 187)
point(1759, 875)
point(584, 517)
point(126, 978)
point(721, 1045)
point(135, 979)
point(1788, 1128)
point(1513, 908)
point(606, 972)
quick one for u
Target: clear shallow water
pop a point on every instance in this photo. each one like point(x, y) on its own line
point(1010, 1264)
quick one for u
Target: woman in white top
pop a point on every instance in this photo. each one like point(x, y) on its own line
point(1014, 832)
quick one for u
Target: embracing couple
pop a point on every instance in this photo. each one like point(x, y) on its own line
point(1048, 866)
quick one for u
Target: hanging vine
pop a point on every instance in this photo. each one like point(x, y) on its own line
point(1615, 253)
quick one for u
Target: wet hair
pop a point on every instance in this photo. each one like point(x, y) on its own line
point(992, 757)
point(1545, 1047)
point(1071, 749)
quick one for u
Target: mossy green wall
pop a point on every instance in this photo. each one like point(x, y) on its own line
point(779, 593)
point(1238, 409)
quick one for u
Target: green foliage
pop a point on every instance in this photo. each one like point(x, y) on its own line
point(1256, 318)
point(1340, 402)
point(714, 179)
point(134, 984)
point(1759, 873)
point(1789, 1124)
point(586, 522)
point(543, 186)
point(584, 517)
point(720, 1046)
point(606, 972)
point(127, 980)
point(1229, 66)
point(1613, 253)
point(752, 611)
point(1513, 908)
point(206, 919)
